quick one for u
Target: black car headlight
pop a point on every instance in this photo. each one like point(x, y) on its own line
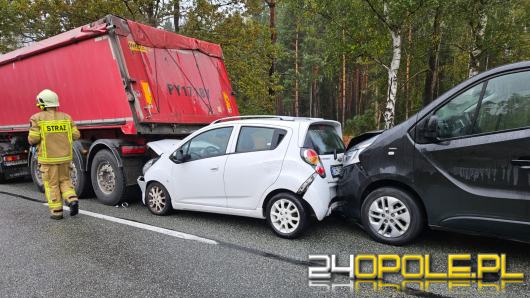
point(352, 156)
point(149, 164)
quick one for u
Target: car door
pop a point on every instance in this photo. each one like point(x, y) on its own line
point(198, 179)
point(477, 176)
point(255, 164)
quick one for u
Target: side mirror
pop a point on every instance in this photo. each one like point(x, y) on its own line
point(179, 156)
point(430, 129)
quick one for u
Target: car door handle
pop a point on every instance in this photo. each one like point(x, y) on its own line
point(522, 163)
point(214, 169)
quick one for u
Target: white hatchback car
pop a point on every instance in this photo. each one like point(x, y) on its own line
point(283, 169)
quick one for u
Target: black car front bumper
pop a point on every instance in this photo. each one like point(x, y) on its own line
point(350, 190)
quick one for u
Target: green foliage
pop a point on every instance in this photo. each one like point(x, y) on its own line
point(360, 124)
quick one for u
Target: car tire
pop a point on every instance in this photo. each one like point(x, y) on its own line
point(157, 199)
point(287, 216)
point(108, 179)
point(392, 216)
point(36, 175)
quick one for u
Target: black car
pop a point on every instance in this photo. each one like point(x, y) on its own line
point(462, 164)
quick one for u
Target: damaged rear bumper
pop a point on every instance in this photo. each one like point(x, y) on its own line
point(142, 184)
point(318, 192)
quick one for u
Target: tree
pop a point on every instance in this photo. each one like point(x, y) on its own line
point(274, 37)
point(393, 16)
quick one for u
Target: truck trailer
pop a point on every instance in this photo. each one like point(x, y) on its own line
point(124, 84)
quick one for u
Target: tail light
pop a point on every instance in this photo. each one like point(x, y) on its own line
point(12, 157)
point(130, 150)
point(311, 157)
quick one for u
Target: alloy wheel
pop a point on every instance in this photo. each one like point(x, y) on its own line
point(389, 216)
point(285, 216)
point(157, 199)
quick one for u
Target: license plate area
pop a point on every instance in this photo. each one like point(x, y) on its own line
point(336, 171)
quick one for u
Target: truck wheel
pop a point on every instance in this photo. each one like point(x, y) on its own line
point(80, 178)
point(36, 175)
point(108, 180)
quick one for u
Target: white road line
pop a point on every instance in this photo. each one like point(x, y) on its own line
point(139, 225)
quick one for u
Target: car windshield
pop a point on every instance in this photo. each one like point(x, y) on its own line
point(324, 139)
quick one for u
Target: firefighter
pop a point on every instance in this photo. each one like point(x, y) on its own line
point(53, 132)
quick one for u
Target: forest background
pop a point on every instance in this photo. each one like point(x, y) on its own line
point(369, 64)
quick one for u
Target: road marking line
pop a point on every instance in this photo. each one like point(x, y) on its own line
point(139, 225)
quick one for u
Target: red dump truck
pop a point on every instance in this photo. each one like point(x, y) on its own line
point(124, 84)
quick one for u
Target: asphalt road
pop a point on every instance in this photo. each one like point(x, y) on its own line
point(125, 251)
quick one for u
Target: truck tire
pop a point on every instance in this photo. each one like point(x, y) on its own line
point(80, 178)
point(108, 179)
point(35, 173)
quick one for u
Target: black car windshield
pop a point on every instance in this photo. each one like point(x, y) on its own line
point(324, 139)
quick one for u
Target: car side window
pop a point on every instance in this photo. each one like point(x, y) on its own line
point(455, 118)
point(506, 104)
point(259, 138)
point(208, 144)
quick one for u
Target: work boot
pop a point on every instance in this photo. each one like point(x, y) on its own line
point(74, 208)
point(56, 216)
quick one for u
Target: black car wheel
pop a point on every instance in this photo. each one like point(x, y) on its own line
point(286, 215)
point(392, 216)
point(157, 199)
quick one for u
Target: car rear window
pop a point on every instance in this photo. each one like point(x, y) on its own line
point(323, 139)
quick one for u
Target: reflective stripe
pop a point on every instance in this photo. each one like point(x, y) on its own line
point(55, 205)
point(69, 193)
point(55, 159)
point(47, 191)
point(51, 204)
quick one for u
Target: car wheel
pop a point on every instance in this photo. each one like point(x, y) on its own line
point(286, 215)
point(391, 216)
point(108, 180)
point(157, 199)
point(36, 174)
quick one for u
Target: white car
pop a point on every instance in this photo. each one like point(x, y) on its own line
point(283, 169)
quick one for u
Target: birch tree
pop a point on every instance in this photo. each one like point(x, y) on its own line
point(393, 16)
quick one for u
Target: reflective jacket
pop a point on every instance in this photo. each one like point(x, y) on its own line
point(54, 132)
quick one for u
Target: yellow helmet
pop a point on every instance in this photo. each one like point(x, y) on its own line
point(47, 99)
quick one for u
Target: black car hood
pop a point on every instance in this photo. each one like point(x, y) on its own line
point(362, 137)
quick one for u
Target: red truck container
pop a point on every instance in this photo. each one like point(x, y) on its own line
point(124, 84)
